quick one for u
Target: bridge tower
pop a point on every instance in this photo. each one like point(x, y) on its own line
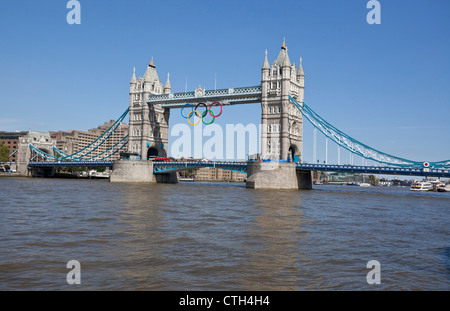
point(149, 124)
point(282, 123)
point(40, 140)
point(282, 127)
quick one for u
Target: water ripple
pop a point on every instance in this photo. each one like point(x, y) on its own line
point(212, 236)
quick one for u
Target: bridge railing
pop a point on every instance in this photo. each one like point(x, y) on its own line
point(385, 170)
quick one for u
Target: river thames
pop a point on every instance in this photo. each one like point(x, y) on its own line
point(220, 236)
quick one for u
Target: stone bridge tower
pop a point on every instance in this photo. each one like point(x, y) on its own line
point(282, 123)
point(149, 124)
point(40, 140)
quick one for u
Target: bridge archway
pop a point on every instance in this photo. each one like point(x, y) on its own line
point(36, 157)
point(153, 152)
point(293, 153)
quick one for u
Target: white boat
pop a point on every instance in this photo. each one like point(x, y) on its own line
point(443, 187)
point(364, 184)
point(421, 186)
point(186, 179)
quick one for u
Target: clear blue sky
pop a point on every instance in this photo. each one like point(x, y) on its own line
point(386, 85)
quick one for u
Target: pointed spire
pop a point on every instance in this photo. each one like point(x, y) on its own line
point(266, 62)
point(152, 64)
point(300, 69)
point(150, 74)
point(168, 82)
point(283, 46)
point(283, 58)
point(133, 79)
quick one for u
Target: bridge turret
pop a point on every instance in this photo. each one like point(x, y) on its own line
point(133, 81)
point(301, 81)
point(167, 87)
point(285, 103)
point(265, 80)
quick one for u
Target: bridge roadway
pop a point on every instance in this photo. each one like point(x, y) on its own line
point(175, 166)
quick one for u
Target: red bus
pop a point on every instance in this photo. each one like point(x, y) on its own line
point(161, 159)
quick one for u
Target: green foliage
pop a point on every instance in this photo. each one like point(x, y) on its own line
point(373, 179)
point(4, 152)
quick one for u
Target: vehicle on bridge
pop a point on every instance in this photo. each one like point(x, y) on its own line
point(162, 159)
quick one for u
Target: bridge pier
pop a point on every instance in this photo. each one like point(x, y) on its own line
point(169, 178)
point(132, 171)
point(277, 175)
point(305, 180)
point(139, 171)
point(41, 172)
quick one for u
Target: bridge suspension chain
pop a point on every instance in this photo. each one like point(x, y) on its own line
point(355, 146)
point(85, 154)
point(82, 153)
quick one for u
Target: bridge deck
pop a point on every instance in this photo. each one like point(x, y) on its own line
point(378, 170)
point(167, 167)
point(232, 96)
point(46, 164)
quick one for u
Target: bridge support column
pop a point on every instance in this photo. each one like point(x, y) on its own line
point(132, 171)
point(305, 180)
point(22, 168)
point(169, 178)
point(277, 175)
point(42, 172)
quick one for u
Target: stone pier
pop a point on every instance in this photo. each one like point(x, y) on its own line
point(139, 171)
point(277, 175)
point(132, 171)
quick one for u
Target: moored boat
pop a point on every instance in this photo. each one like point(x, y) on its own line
point(421, 186)
point(443, 187)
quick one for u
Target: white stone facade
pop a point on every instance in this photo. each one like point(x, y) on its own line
point(149, 124)
point(282, 123)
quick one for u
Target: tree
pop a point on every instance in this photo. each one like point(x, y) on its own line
point(4, 152)
point(373, 179)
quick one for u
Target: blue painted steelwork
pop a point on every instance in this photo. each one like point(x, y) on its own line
point(95, 144)
point(42, 154)
point(357, 147)
point(378, 170)
point(71, 163)
point(241, 167)
point(123, 141)
point(13, 153)
point(168, 167)
point(77, 157)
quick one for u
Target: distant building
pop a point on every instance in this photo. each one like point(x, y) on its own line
point(347, 177)
point(217, 174)
point(73, 141)
point(12, 139)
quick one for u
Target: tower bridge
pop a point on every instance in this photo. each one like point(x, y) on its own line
point(280, 165)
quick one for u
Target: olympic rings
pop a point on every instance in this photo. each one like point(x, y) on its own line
point(189, 116)
point(192, 109)
point(201, 104)
point(201, 116)
point(204, 114)
point(211, 113)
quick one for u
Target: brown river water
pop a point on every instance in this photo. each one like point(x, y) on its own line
point(220, 236)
